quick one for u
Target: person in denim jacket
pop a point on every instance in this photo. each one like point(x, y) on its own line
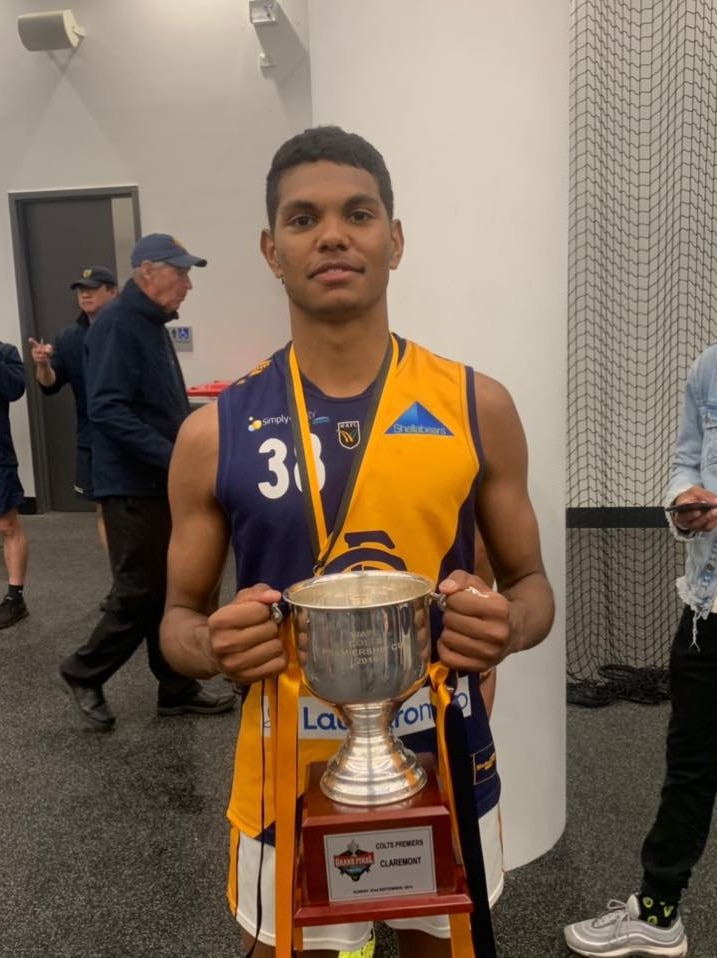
point(649, 923)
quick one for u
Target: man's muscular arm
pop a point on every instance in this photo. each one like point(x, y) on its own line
point(480, 627)
point(239, 639)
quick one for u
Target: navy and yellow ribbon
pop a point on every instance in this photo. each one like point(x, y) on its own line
point(285, 691)
point(322, 541)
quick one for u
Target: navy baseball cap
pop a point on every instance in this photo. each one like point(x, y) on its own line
point(94, 277)
point(163, 248)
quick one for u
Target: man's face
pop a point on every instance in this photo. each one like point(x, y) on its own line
point(91, 300)
point(166, 285)
point(332, 244)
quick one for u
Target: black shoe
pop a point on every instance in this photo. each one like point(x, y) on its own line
point(90, 703)
point(11, 611)
point(201, 702)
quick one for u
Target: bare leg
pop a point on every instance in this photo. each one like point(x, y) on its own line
point(101, 531)
point(15, 548)
point(417, 944)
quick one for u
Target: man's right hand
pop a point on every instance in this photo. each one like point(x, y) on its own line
point(244, 639)
point(696, 521)
point(41, 352)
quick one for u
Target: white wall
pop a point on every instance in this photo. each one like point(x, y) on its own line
point(468, 102)
point(168, 95)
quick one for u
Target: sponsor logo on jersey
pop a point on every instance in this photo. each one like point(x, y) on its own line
point(282, 420)
point(354, 862)
point(319, 721)
point(418, 421)
point(484, 765)
point(349, 433)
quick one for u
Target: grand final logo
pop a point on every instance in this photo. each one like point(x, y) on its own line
point(353, 862)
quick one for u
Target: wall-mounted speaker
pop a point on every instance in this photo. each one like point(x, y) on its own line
point(54, 30)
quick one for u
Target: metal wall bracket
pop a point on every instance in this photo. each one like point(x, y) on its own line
point(263, 12)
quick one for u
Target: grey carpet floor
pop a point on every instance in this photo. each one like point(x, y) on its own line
point(113, 846)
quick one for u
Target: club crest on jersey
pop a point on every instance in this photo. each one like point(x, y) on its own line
point(353, 862)
point(349, 433)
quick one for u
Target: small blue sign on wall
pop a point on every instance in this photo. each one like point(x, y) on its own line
point(181, 337)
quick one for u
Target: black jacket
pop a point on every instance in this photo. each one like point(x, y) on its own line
point(136, 397)
point(68, 365)
point(12, 386)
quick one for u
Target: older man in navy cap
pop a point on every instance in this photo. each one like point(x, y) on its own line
point(136, 402)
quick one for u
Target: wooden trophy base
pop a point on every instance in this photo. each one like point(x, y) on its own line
point(378, 861)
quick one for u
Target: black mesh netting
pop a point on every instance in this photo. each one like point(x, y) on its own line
point(642, 305)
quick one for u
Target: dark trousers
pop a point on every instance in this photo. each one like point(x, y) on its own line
point(677, 839)
point(138, 531)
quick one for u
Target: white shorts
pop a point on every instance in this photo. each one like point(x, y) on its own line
point(354, 935)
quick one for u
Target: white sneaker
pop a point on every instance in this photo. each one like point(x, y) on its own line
point(620, 931)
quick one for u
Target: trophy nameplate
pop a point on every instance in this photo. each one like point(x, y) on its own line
point(377, 862)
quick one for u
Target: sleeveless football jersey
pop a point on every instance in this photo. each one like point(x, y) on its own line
point(413, 509)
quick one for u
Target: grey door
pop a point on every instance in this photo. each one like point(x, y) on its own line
point(55, 236)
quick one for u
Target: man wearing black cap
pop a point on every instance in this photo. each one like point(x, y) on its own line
point(136, 402)
point(63, 362)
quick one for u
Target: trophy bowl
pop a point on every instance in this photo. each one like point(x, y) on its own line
point(363, 644)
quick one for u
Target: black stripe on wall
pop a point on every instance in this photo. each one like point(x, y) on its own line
point(630, 517)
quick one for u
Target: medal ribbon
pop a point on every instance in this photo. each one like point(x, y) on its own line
point(461, 941)
point(285, 737)
point(285, 731)
point(321, 541)
point(471, 935)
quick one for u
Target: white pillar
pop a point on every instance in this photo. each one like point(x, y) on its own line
point(468, 102)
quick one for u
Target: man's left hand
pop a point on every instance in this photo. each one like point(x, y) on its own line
point(476, 632)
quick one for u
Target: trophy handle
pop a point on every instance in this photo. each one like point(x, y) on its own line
point(439, 599)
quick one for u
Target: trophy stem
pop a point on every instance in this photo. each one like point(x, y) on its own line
point(372, 767)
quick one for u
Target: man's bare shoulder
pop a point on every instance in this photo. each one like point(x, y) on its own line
point(492, 397)
point(196, 451)
point(202, 425)
point(501, 430)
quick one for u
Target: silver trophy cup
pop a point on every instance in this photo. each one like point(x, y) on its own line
point(363, 642)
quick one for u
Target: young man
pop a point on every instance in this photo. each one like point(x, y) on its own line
point(240, 474)
point(649, 922)
point(63, 362)
point(14, 540)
